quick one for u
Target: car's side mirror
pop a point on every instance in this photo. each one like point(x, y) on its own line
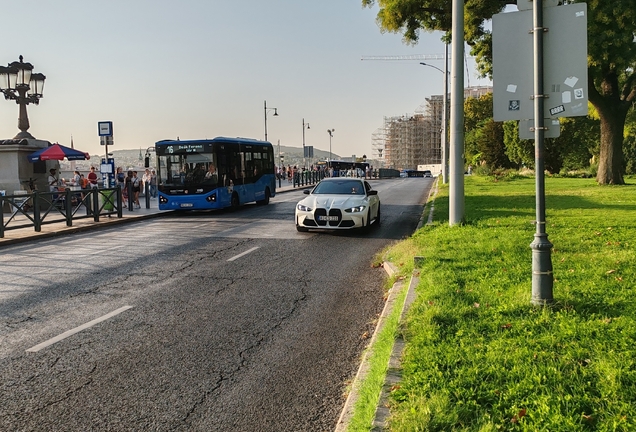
point(372, 192)
point(306, 191)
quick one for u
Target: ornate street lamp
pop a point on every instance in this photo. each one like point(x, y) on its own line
point(19, 83)
point(330, 132)
point(266, 110)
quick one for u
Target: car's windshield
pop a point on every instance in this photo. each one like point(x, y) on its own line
point(344, 187)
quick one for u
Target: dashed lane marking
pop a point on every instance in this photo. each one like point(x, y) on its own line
point(235, 257)
point(77, 329)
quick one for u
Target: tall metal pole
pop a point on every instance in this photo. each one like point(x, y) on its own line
point(265, 110)
point(542, 276)
point(456, 188)
point(304, 162)
point(329, 149)
point(445, 120)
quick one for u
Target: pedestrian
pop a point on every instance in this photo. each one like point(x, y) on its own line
point(120, 177)
point(92, 178)
point(127, 189)
point(77, 179)
point(153, 184)
point(52, 180)
point(136, 187)
point(146, 180)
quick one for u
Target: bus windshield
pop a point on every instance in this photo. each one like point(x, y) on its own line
point(188, 169)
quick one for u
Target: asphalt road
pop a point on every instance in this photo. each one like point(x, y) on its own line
point(220, 321)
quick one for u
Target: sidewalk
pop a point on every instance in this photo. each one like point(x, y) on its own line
point(20, 235)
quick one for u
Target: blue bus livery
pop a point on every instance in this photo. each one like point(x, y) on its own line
point(214, 174)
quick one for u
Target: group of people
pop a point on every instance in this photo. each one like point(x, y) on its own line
point(78, 180)
point(148, 183)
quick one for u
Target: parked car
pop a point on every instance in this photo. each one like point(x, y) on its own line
point(338, 203)
point(428, 173)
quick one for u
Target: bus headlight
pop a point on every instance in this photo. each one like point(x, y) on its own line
point(211, 198)
point(163, 199)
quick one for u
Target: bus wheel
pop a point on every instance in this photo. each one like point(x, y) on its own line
point(264, 201)
point(234, 202)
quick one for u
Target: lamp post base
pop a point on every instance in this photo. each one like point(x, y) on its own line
point(542, 276)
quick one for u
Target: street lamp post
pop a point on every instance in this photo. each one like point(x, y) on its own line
point(266, 110)
point(330, 132)
point(19, 83)
point(305, 126)
point(444, 118)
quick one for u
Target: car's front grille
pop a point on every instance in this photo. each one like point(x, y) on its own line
point(323, 212)
point(335, 212)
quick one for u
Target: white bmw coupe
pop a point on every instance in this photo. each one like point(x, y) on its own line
point(338, 203)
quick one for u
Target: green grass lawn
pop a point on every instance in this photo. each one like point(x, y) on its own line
point(479, 357)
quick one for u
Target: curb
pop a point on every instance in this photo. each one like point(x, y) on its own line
point(393, 374)
point(348, 409)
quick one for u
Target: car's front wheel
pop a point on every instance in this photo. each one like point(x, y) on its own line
point(377, 217)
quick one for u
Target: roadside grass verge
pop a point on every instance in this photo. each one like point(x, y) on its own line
point(479, 357)
point(378, 359)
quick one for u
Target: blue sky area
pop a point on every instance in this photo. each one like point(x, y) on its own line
point(203, 68)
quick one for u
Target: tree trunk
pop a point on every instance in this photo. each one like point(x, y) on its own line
point(612, 111)
point(610, 164)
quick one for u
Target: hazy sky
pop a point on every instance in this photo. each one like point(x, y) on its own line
point(194, 69)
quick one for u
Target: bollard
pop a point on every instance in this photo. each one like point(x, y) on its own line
point(131, 201)
point(68, 207)
point(147, 196)
point(120, 202)
point(37, 221)
point(95, 204)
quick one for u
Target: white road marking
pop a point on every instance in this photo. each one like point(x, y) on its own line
point(243, 254)
point(77, 329)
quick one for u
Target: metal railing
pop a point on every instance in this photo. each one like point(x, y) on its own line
point(39, 208)
point(307, 177)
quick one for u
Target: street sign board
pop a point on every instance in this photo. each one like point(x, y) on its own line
point(526, 129)
point(106, 140)
point(564, 60)
point(105, 128)
point(528, 4)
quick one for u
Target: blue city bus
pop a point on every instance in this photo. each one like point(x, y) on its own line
point(214, 173)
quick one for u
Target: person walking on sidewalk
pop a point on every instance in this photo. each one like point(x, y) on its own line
point(136, 187)
point(153, 184)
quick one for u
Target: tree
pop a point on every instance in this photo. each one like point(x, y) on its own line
point(611, 56)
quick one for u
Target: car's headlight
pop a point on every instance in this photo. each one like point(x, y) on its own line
point(303, 207)
point(357, 209)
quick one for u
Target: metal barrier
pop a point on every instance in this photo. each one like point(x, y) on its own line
point(307, 177)
point(39, 208)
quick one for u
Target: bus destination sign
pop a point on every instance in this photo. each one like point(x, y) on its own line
point(175, 149)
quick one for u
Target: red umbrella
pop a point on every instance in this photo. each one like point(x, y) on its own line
point(57, 152)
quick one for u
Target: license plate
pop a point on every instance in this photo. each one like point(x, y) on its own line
point(328, 218)
point(186, 204)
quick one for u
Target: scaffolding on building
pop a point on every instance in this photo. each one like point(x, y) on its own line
point(406, 141)
point(413, 139)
